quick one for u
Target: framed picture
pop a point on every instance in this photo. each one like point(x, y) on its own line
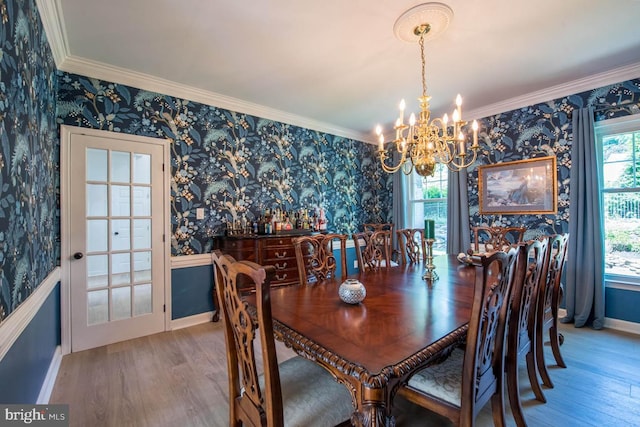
point(523, 187)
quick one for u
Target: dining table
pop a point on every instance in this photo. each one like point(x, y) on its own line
point(404, 324)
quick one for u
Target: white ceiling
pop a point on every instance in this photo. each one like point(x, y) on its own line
point(335, 65)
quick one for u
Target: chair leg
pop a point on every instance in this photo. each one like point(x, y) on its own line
point(513, 389)
point(497, 407)
point(555, 345)
point(532, 370)
point(542, 367)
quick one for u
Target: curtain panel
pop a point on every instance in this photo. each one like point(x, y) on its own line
point(584, 287)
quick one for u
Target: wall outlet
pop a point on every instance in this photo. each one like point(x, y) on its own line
point(200, 213)
point(355, 263)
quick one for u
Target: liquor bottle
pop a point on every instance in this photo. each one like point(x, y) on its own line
point(277, 223)
point(287, 222)
point(322, 221)
point(261, 225)
point(243, 224)
point(298, 221)
point(305, 220)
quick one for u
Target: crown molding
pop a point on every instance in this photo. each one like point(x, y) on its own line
point(99, 70)
point(595, 81)
point(53, 23)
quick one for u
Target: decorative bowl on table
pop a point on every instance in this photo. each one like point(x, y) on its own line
point(352, 291)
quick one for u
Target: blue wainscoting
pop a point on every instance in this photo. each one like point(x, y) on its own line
point(622, 304)
point(191, 291)
point(24, 368)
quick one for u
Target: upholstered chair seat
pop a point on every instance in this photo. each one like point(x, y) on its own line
point(443, 380)
point(263, 392)
point(310, 396)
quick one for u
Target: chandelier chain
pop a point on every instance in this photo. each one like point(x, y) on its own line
point(424, 67)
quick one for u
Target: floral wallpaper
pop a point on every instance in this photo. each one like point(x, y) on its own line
point(29, 155)
point(541, 130)
point(234, 164)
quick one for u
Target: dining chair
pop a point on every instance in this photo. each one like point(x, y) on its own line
point(381, 226)
point(521, 339)
point(496, 238)
point(296, 392)
point(412, 245)
point(315, 258)
point(373, 249)
point(549, 297)
point(460, 386)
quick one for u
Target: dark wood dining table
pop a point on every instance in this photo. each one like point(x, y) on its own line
point(404, 324)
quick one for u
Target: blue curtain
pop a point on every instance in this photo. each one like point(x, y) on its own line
point(584, 289)
point(458, 228)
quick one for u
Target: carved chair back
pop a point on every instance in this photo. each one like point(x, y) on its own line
point(522, 322)
point(248, 403)
point(481, 369)
point(496, 238)
point(412, 245)
point(315, 257)
point(381, 226)
point(373, 249)
point(549, 296)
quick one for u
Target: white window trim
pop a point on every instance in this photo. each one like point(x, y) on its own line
point(608, 127)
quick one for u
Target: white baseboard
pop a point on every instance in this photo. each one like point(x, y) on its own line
point(196, 319)
point(622, 325)
point(617, 324)
point(50, 379)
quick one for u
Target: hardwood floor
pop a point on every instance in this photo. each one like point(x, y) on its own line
point(179, 378)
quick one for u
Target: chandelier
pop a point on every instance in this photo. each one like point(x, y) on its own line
point(423, 143)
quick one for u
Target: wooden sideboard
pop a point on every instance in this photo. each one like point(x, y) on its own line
point(271, 249)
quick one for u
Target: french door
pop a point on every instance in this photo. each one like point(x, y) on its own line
point(116, 227)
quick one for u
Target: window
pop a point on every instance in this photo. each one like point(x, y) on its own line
point(428, 199)
point(620, 143)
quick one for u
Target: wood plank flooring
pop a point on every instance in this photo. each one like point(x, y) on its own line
point(179, 378)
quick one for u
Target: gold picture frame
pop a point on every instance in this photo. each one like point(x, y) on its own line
point(521, 187)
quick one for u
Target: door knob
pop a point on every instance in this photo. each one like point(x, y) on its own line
point(78, 255)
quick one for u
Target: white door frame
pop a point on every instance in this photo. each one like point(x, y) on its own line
point(65, 208)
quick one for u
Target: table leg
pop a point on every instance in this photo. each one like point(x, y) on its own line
point(374, 408)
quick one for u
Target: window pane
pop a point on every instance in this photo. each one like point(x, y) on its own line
point(428, 200)
point(120, 234)
point(120, 200)
point(121, 298)
point(96, 200)
point(120, 165)
point(622, 233)
point(620, 160)
point(97, 271)
point(142, 299)
point(97, 307)
point(141, 201)
point(621, 202)
point(96, 235)
point(141, 168)
point(96, 165)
